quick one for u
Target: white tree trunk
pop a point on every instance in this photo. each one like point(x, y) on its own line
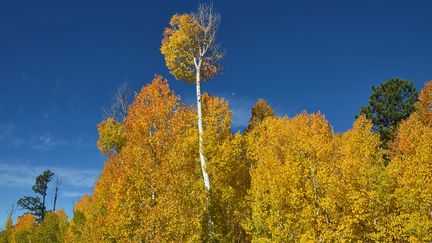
point(201, 130)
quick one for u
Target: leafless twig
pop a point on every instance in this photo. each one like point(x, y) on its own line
point(121, 102)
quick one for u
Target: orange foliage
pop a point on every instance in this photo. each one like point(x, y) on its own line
point(23, 228)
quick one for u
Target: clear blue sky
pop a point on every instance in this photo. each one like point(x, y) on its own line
point(61, 62)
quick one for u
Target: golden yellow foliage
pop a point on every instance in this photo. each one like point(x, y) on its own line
point(6, 233)
point(260, 111)
point(181, 44)
point(179, 47)
point(229, 171)
point(112, 137)
point(97, 220)
point(217, 121)
point(52, 229)
point(83, 204)
point(289, 179)
point(284, 180)
point(79, 228)
point(411, 172)
point(357, 195)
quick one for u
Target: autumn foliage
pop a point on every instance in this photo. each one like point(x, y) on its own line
point(182, 43)
point(284, 180)
point(111, 136)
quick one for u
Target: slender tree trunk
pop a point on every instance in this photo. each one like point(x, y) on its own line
point(43, 206)
point(201, 147)
point(57, 188)
point(200, 129)
point(55, 201)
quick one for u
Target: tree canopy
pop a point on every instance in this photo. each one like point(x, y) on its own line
point(190, 44)
point(285, 179)
point(35, 204)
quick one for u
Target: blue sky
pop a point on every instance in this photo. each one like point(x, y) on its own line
point(61, 62)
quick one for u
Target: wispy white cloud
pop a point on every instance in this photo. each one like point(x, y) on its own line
point(41, 142)
point(83, 141)
point(72, 194)
point(7, 135)
point(21, 174)
point(46, 142)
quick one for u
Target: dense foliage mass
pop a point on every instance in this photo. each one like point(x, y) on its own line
point(285, 179)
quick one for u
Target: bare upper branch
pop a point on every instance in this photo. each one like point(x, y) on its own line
point(12, 210)
point(121, 102)
point(209, 20)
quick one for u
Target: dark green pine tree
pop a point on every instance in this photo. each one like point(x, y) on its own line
point(389, 104)
point(36, 205)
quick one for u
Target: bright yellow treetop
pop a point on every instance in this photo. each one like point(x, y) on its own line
point(424, 105)
point(184, 45)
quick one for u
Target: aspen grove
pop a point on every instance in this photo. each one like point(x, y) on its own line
point(176, 172)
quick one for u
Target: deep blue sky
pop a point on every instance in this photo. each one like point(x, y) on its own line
point(61, 62)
